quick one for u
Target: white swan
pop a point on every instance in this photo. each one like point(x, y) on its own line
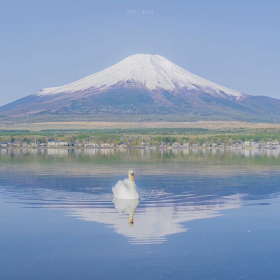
point(127, 188)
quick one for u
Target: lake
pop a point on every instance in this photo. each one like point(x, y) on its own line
point(209, 214)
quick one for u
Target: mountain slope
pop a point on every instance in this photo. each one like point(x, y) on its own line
point(142, 84)
point(144, 70)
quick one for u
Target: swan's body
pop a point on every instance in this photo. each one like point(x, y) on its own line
point(127, 188)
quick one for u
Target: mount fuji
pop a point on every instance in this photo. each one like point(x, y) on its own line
point(143, 84)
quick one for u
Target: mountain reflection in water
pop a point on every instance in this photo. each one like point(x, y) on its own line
point(203, 214)
point(158, 214)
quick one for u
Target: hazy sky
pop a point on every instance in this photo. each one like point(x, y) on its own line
point(52, 43)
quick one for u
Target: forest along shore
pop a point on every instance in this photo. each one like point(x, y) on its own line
point(141, 138)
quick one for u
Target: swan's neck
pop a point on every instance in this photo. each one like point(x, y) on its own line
point(131, 185)
point(133, 191)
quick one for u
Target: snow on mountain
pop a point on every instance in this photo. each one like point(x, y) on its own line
point(153, 72)
point(46, 91)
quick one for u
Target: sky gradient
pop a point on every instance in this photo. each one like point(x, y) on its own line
point(52, 43)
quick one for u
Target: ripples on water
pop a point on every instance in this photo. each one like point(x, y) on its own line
point(178, 187)
point(158, 214)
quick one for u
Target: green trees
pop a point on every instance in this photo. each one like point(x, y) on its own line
point(153, 136)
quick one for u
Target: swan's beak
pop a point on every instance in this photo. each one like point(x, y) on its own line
point(132, 177)
point(131, 221)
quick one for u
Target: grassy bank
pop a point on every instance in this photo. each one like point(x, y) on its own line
point(138, 135)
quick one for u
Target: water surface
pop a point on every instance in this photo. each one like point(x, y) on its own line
point(202, 215)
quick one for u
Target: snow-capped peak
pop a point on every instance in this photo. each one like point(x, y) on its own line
point(151, 71)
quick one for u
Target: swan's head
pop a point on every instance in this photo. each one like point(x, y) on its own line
point(131, 175)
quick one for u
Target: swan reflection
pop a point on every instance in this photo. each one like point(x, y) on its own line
point(126, 205)
point(158, 215)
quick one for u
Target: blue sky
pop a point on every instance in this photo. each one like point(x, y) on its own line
point(51, 43)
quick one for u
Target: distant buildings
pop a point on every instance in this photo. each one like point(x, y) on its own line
point(246, 145)
point(4, 145)
point(15, 144)
point(58, 144)
point(176, 145)
point(107, 145)
point(91, 145)
point(98, 146)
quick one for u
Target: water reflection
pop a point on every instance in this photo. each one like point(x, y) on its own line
point(155, 218)
point(142, 152)
point(158, 215)
point(126, 205)
point(113, 162)
point(176, 185)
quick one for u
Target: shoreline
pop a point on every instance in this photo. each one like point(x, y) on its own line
point(143, 148)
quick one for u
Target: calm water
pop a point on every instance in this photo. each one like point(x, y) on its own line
point(202, 215)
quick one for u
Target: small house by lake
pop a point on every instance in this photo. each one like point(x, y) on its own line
point(91, 145)
point(58, 144)
point(15, 144)
point(4, 145)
